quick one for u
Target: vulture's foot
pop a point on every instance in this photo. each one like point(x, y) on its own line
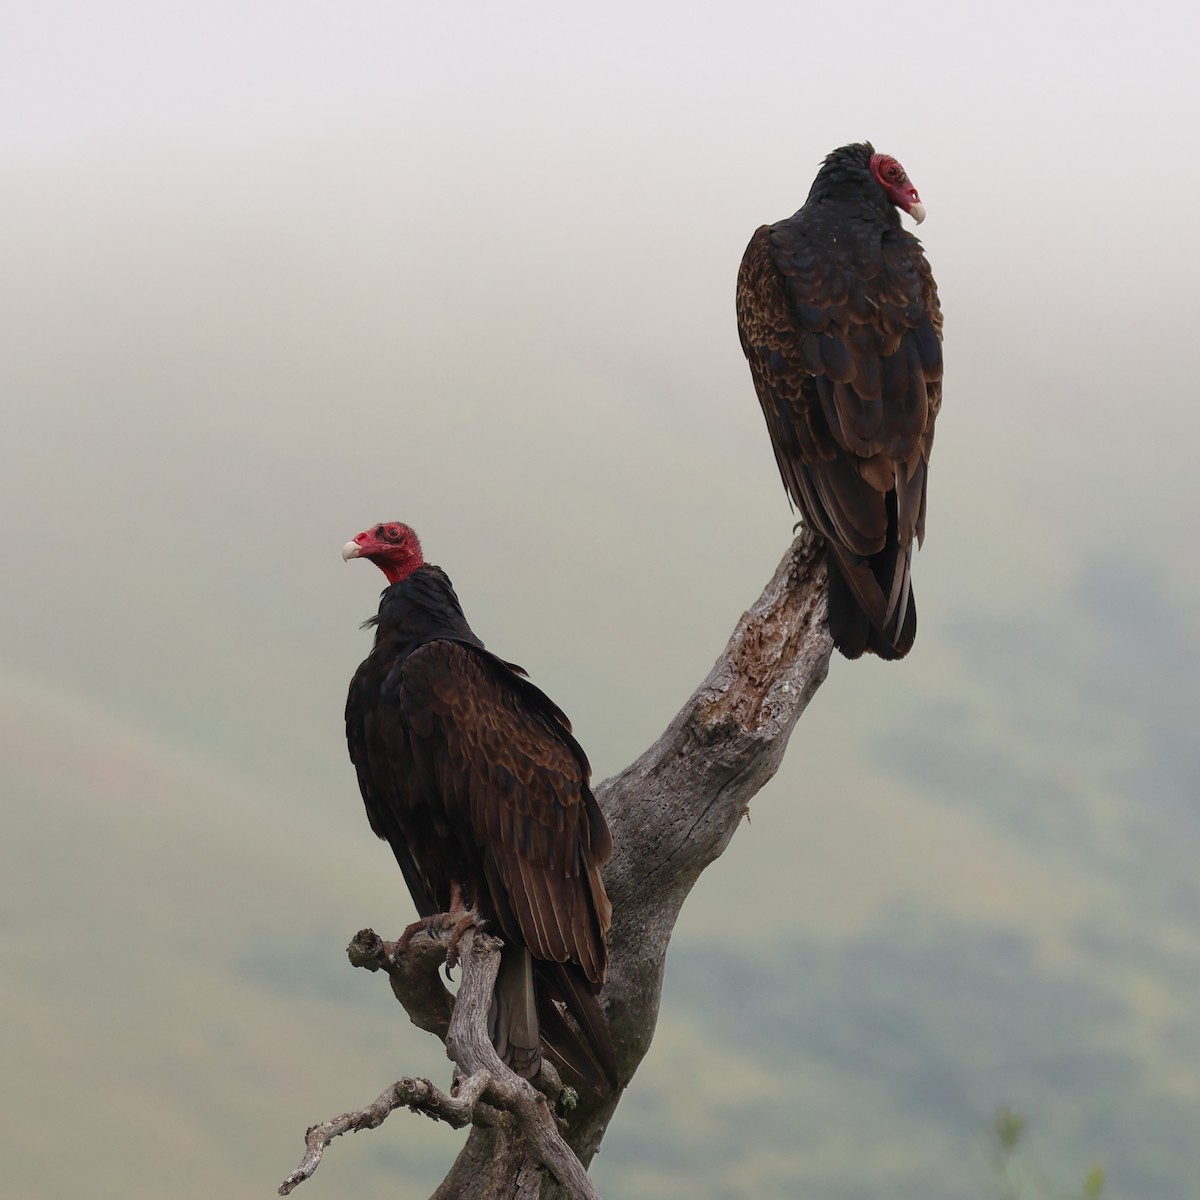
point(425, 923)
point(458, 923)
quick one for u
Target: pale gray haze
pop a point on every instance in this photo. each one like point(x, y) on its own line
point(270, 272)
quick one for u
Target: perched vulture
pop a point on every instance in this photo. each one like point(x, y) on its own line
point(472, 775)
point(839, 319)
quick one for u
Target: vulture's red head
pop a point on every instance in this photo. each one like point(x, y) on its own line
point(391, 546)
point(899, 188)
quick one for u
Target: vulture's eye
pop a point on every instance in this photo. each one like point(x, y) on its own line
point(392, 533)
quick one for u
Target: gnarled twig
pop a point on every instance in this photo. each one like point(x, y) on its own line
point(457, 1109)
point(414, 973)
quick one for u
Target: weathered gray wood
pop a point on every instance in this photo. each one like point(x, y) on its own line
point(533, 1132)
point(672, 812)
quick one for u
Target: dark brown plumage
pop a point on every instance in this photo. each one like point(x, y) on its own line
point(473, 777)
point(839, 320)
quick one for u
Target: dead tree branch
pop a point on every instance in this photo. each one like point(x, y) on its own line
point(672, 812)
point(486, 1092)
point(414, 973)
point(420, 1095)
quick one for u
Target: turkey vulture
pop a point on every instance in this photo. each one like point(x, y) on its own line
point(472, 775)
point(838, 317)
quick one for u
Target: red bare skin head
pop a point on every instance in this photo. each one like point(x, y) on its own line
point(895, 181)
point(391, 546)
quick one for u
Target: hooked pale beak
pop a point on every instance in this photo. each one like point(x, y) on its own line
point(917, 211)
point(351, 550)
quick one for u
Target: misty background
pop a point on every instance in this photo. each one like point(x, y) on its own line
point(272, 272)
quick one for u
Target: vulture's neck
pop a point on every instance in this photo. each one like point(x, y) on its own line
point(421, 608)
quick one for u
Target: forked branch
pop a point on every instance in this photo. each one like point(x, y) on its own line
point(486, 1092)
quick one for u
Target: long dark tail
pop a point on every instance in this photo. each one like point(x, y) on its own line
point(525, 1020)
point(591, 1057)
point(871, 602)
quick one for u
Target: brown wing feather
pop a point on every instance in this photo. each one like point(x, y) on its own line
point(509, 771)
point(844, 346)
point(472, 775)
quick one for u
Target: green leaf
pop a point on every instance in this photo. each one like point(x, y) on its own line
point(1009, 1126)
point(1093, 1182)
